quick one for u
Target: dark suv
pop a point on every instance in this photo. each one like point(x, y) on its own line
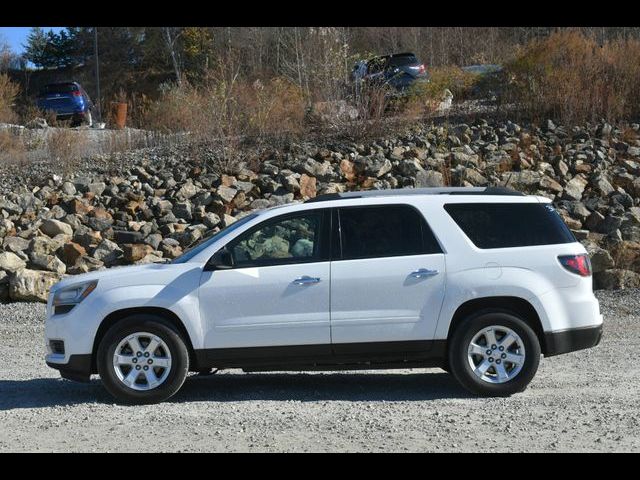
point(398, 71)
point(68, 100)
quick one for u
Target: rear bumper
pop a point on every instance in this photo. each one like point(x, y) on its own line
point(78, 368)
point(573, 339)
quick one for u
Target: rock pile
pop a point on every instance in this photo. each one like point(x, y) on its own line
point(160, 201)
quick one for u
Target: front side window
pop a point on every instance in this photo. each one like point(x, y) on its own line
point(208, 240)
point(288, 240)
point(385, 231)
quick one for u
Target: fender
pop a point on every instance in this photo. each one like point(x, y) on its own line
point(479, 283)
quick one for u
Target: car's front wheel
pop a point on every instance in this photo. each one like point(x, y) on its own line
point(142, 359)
point(494, 354)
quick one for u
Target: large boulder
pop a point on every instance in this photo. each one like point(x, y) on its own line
point(44, 245)
point(107, 252)
point(16, 244)
point(47, 262)
point(308, 188)
point(4, 287)
point(575, 187)
point(600, 259)
point(626, 255)
point(53, 227)
point(136, 251)
point(429, 178)
point(32, 285)
point(10, 262)
point(615, 279)
point(72, 252)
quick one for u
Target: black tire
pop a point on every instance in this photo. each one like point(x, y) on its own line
point(165, 331)
point(459, 362)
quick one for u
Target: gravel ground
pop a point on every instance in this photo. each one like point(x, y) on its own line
point(584, 401)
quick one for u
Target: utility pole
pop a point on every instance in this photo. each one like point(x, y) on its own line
point(95, 52)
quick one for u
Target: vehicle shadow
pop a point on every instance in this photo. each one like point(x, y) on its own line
point(228, 387)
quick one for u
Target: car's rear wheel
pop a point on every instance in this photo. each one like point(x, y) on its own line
point(142, 359)
point(494, 354)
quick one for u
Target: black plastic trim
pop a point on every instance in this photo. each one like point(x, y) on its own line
point(78, 368)
point(424, 353)
point(570, 340)
point(62, 309)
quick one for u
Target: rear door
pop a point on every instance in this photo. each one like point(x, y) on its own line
point(388, 277)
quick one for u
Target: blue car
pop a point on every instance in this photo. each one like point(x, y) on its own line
point(68, 100)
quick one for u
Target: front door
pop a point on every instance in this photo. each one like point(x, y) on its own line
point(277, 293)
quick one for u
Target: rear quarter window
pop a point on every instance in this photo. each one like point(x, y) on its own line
point(503, 225)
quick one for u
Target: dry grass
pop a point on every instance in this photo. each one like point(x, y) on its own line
point(65, 147)
point(223, 111)
point(570, 77)
point(12, 148)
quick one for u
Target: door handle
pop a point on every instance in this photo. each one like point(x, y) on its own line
point(423, 273)
point(306, 280)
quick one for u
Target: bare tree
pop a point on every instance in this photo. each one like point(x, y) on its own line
point(171, 36)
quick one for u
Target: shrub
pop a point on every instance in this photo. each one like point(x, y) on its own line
point(570, 77)
point(452, 78)
point(8, 93)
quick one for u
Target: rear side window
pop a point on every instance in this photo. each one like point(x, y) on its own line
point(502, 225)
point(384, 231)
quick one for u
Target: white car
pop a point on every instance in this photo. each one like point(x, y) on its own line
point(477, 281)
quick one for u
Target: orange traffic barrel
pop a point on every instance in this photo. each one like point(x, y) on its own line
point(120, 114)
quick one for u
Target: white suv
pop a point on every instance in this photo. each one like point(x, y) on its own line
point(477, 281)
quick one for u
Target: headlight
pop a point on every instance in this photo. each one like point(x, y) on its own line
point(74, 294)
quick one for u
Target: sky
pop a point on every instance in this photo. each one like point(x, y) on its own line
point(17, 36)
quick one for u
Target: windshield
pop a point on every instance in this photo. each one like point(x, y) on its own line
point(206, 241)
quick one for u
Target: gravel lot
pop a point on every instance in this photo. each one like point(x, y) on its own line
point(584, 401)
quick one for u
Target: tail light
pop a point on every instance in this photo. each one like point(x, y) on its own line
point(421, 69)
point(77, 93)
point(578, 264)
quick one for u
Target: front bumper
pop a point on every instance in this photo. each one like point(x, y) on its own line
point(573, 339)
point(78, 368)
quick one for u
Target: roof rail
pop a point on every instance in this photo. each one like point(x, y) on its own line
point(416, 191)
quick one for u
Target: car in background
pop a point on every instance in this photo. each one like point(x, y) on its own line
point(400, 71)
point(68, 100)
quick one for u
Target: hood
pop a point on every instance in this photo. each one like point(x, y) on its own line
point(148, 274)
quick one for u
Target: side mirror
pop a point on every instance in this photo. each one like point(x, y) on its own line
point(221, 260)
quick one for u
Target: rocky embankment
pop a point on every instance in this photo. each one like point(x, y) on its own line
point(149, 205)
